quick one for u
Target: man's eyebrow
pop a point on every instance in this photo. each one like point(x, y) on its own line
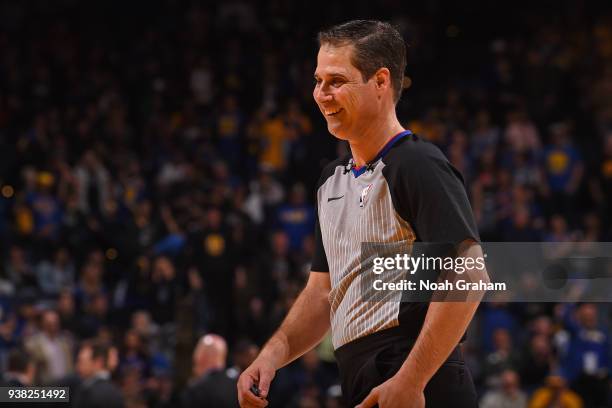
point(332, 75)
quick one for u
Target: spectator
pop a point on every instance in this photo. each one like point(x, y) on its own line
point(502, 358)
point(537, 361)
point(211, 385)
point(521, 134)
point(202, 80)
point(266, 194)
point(46, 208)
point(600, 184)
point(509, 394)
point(54, 276)
point(27, 322)
point(586, 356)
point(313, 372)
point(20, 370)
point(229, 129)
point(133, 388)
point(146, 328)
point(555, 394)
point(520, 228)
point(484, 192)
point(164, 290)
point(66, 309)
point(496, 315)
point(96, 389)
point(485, 136)
point(296, 218)
point(91, 283)
point(564, 169)
point(202, 311)
point(244, 354)
point(147, 224)
point(93, 183)
point(95, 316)
point(134, 356)
point(257, 322)
point(161, 392)
point(278, 265)
point(19, 270)
point(51, 349)
point(276, 137)
point(9, 336)
point(558, 231)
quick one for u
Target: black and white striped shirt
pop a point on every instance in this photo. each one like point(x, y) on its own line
point(409, 192)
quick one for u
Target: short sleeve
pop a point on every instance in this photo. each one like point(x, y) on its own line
point(319, 259)
point(431, 196)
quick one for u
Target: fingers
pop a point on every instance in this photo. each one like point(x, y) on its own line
point(265, 378)
point(245, 397)
point(370, 400)
point(251, 401)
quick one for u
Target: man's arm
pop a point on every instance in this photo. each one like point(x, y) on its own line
point(445, 323)
point(305, 325)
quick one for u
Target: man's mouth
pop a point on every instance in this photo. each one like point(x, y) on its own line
point(332, 112)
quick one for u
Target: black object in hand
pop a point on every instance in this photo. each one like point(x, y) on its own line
point(255, 390)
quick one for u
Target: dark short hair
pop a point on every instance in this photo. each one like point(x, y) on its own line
point(377, 44)
point(98, 350)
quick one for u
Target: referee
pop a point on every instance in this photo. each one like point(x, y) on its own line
point(394, 188)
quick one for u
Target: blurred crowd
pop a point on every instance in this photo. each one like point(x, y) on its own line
point(157, 171)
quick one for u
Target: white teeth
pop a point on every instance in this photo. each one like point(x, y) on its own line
point(332, 112)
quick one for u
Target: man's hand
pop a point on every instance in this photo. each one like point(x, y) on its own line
point(261, 373)
point(394, 393)
point(303, 328)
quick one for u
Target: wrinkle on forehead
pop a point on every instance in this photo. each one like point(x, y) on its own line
point(333, 60)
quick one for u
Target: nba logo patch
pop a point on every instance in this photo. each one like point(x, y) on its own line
point(364, 195)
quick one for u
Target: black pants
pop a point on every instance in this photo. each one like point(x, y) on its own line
point(371, 360)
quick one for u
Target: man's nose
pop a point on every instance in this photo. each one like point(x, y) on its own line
point(321, 95)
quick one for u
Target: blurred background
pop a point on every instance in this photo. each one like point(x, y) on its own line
point(157, 170)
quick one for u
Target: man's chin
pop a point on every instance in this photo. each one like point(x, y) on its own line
point(337, 132)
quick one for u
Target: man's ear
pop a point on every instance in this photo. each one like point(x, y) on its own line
point(382, 79)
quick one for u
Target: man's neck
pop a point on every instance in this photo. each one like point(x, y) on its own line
point(101, 374)
point(208, 370)
point(50, 335)
point(369, 143)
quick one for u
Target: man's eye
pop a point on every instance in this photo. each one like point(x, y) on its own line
point(317, 81)
point(336, 83)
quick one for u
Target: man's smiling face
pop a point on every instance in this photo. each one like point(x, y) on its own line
point(347, 102)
